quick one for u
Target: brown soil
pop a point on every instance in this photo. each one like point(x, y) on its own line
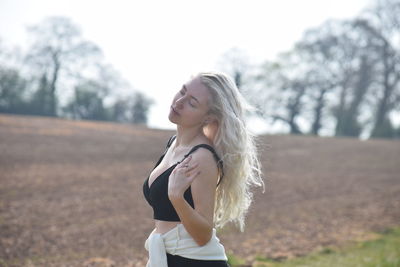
point(71, 193)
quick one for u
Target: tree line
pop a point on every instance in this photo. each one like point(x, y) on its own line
point(342, 77)
point(61, 65)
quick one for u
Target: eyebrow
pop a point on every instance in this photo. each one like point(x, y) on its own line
point(184, 87)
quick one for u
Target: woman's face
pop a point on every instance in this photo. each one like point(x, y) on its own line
point(190, 105)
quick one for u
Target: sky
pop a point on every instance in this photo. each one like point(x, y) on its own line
point(157, 45)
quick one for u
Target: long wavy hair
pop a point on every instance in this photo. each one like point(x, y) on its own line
point(236, 146)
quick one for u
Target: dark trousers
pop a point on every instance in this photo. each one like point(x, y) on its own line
point(178, 261)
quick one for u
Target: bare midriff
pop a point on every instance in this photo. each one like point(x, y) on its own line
point(164, 226)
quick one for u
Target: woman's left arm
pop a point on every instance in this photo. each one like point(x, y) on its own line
point(202, 177)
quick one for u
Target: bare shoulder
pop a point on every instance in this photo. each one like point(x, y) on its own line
point(204, 154)
point(207, 164)
point(204, 185)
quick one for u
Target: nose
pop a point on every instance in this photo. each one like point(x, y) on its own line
point(179, 102)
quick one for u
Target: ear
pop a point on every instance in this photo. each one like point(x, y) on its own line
point(210, 127)
point(208, 119)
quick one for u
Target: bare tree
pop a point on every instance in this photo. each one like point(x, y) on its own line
point(235, 62)
point(342, 69)
point(381, 24)
point(280, 94)
point(317, 49)
point(351, 68)
point(57, 47)
point(92, 91)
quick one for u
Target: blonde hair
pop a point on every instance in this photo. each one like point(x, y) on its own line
point(236, 146)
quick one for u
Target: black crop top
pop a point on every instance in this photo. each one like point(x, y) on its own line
point(157, 193)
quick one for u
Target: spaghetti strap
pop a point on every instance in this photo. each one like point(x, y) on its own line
point(216, 157)
point(170, 140)
point(210, 148)
point(206, 147)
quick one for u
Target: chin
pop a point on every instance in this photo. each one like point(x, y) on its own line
point(171, 118)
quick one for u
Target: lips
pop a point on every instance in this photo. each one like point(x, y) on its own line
point(174, 110)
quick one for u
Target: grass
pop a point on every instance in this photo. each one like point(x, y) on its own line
point(234, 260)
point(381, 252)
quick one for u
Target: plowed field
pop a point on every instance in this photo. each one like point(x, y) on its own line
point(71, 193)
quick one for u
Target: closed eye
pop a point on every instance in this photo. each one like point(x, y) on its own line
point(183, 91)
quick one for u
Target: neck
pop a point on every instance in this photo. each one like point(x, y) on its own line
point(186, 136)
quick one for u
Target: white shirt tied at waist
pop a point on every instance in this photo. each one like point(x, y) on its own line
point(178, 241)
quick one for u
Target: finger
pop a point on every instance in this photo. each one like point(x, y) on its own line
point(193, 171)
point(192, 167)
point(186, 160)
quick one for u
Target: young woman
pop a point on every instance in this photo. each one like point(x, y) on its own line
point(203, 178)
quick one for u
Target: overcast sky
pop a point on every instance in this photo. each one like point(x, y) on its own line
point(157, 45)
